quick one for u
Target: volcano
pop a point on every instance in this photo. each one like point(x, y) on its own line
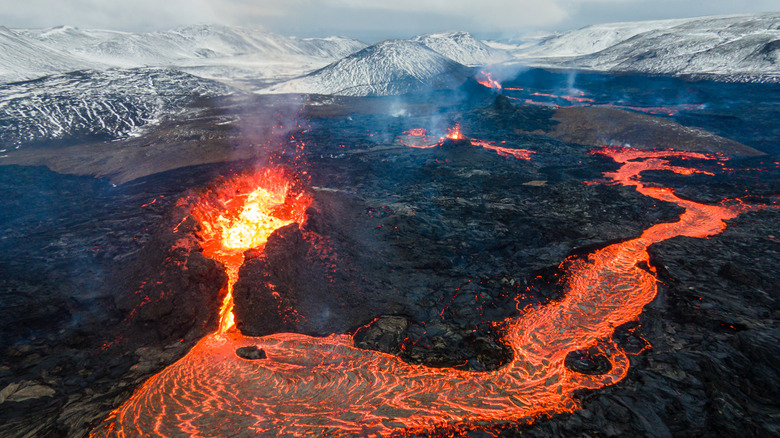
point(386, 68)
point(471, 258)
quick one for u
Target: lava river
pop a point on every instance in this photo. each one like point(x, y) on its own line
point(311, 386)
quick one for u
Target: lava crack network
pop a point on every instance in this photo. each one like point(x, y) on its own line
point(326, 387)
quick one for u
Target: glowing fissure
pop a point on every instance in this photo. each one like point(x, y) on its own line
point(326, 387)
point(485, 79)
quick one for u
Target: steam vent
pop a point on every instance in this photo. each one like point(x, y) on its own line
point(269, 236)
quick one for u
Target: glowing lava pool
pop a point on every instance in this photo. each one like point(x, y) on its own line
point(311, 386)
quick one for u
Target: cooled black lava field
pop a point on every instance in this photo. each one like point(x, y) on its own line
point(419, 247)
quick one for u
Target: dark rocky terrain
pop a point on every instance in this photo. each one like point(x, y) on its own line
point(417, 251)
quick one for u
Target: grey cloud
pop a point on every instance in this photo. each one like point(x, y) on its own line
point(369, 20)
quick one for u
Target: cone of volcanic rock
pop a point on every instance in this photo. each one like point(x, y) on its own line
point(456, 145)
point(459, 151)
point(172, 291)
point(316, 278)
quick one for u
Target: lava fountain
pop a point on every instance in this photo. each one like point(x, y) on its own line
point(486, 80)
point(311, 386)
point(240, 215)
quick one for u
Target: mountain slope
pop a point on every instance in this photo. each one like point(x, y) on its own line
point(98, 105)
point(741, 47)
point(462, 47)
point(595, 38)
point(213, 51)
point(22, 58)
point(388, 67)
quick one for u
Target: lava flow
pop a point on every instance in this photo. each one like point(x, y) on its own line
point(485, 79)
point(563, 100)
point(240, 215)
point(326, 387)
point(418, 138)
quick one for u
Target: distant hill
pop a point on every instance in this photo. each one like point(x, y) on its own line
point(735, 47)
point(388, 67)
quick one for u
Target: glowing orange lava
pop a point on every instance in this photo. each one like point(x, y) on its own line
point(241, 215)
point(418, 138)
point(486, 79)
point(326, 387)
point(454, 133)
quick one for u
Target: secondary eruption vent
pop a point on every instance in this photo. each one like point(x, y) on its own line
point(418, 138)
point(240, 214)
point(486, 79)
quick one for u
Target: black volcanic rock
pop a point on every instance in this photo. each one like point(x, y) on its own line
point(172, 291)
point(251, 353)
point(518, 116)
point(456, 251)
point(321, 277)
point(608, 126)
point(588, 362)
point(461, 145)
point(269, 287)
point(385, 334)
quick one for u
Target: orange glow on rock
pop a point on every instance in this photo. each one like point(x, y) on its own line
point(418, 138)
point(486, 79)
point(326, 387)
point(454, 133)
point(241, 215)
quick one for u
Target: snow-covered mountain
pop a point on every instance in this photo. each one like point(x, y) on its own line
point(388, 67)
point(98, 105)
point(22, 58)
point(212, 51)
point(740, 47)
point(188, 42)
point(592, 39)
point(462, 47)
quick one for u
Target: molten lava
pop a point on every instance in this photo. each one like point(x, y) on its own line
point(418, 138)
point(487, 80)
point(454, 133)
point(326, 387)
point(241, 215)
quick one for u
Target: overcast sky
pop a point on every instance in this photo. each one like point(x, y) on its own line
point(368, 20)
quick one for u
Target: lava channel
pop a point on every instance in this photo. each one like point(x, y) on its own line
point(311, 386)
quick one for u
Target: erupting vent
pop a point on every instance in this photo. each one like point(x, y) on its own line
point(326, 387)
point(486, 79)
point(241, 214)
point(418, 138)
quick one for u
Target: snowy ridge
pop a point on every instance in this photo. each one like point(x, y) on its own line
point(463, 48)
point(100, 105)
point(23, 58)
point(592, 39)
point(388, 67)
point(219, 48)
point(739, 47)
